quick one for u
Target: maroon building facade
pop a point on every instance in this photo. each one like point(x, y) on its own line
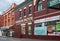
point(33, 19)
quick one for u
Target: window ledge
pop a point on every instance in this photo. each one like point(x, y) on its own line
point(30, 14)
point(20, 17)
point(24, 16)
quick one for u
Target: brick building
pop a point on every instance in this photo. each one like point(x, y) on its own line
point(9, 18)
point(1, 24)
point(39, 19)
point(1, 21)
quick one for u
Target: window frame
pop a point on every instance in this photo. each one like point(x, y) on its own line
point(39, 5)
point(30, 10)
point(20, 14)
point(24, 12)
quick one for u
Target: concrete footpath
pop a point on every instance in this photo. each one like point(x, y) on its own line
point(21, 39)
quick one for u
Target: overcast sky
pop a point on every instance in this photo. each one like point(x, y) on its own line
point(5, 4)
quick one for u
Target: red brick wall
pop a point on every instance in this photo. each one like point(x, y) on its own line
point(36, 15)
point(1, 21)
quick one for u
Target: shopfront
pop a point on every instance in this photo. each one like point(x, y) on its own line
point(30, 28)
point(26, 27)
point(10, 33)
point(48, 26)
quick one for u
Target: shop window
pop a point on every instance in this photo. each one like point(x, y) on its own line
point(38, 24)
point(30, 10)
point(24, 12)
point(58, 26)
point(8, 15)
point(39, 29)
point(53, 28)
point(23, 29)
point(39, 5)
point(29, 29)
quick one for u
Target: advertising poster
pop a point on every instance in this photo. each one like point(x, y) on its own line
point(40, 31)
point(57, 26)
point(51, 30)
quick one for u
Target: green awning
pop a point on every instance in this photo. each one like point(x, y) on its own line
point(2, 28)
point(52, 3)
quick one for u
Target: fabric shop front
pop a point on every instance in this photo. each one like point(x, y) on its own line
point(48, 26)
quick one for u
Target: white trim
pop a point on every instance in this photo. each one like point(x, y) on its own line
point(22, 24)
point(18, 21)
point(20, 10)
point(29, 23)
point(30, 5)
point(30, 14)
point(24, 7)
point(43, 0)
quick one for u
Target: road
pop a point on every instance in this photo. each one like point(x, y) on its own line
point(19, 39)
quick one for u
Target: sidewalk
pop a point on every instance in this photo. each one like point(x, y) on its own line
point(21, 39)
point(24, 39)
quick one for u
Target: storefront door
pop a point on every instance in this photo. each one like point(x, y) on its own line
point(23, 30)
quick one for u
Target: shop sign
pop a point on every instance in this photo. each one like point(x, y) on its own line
point(57, 26)
point(40, 20)
point(48, 19)
point(40, 31)
point(53, 18)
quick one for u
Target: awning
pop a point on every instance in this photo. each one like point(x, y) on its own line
point(3, 29)
point(53, 4)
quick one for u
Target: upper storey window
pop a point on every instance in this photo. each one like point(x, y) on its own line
point(39, 5)
point(24, 12)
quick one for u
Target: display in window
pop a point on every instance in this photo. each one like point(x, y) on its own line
point(51, 29)
point(39, 29)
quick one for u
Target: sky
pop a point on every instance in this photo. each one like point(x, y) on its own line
point(5, 4)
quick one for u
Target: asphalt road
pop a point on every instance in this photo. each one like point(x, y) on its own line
point(18, 39)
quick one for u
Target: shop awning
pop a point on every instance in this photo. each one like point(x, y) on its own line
point(53, 4)
point(2, 28)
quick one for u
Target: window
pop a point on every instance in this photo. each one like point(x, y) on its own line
point(39, 5)
point(40, 29)
point(38, 25)
point(30, 10)
point(23, 29)
point(24, 12)
point(29, 29)
point(8, 15)
point(20, 13)
point(8, 22)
